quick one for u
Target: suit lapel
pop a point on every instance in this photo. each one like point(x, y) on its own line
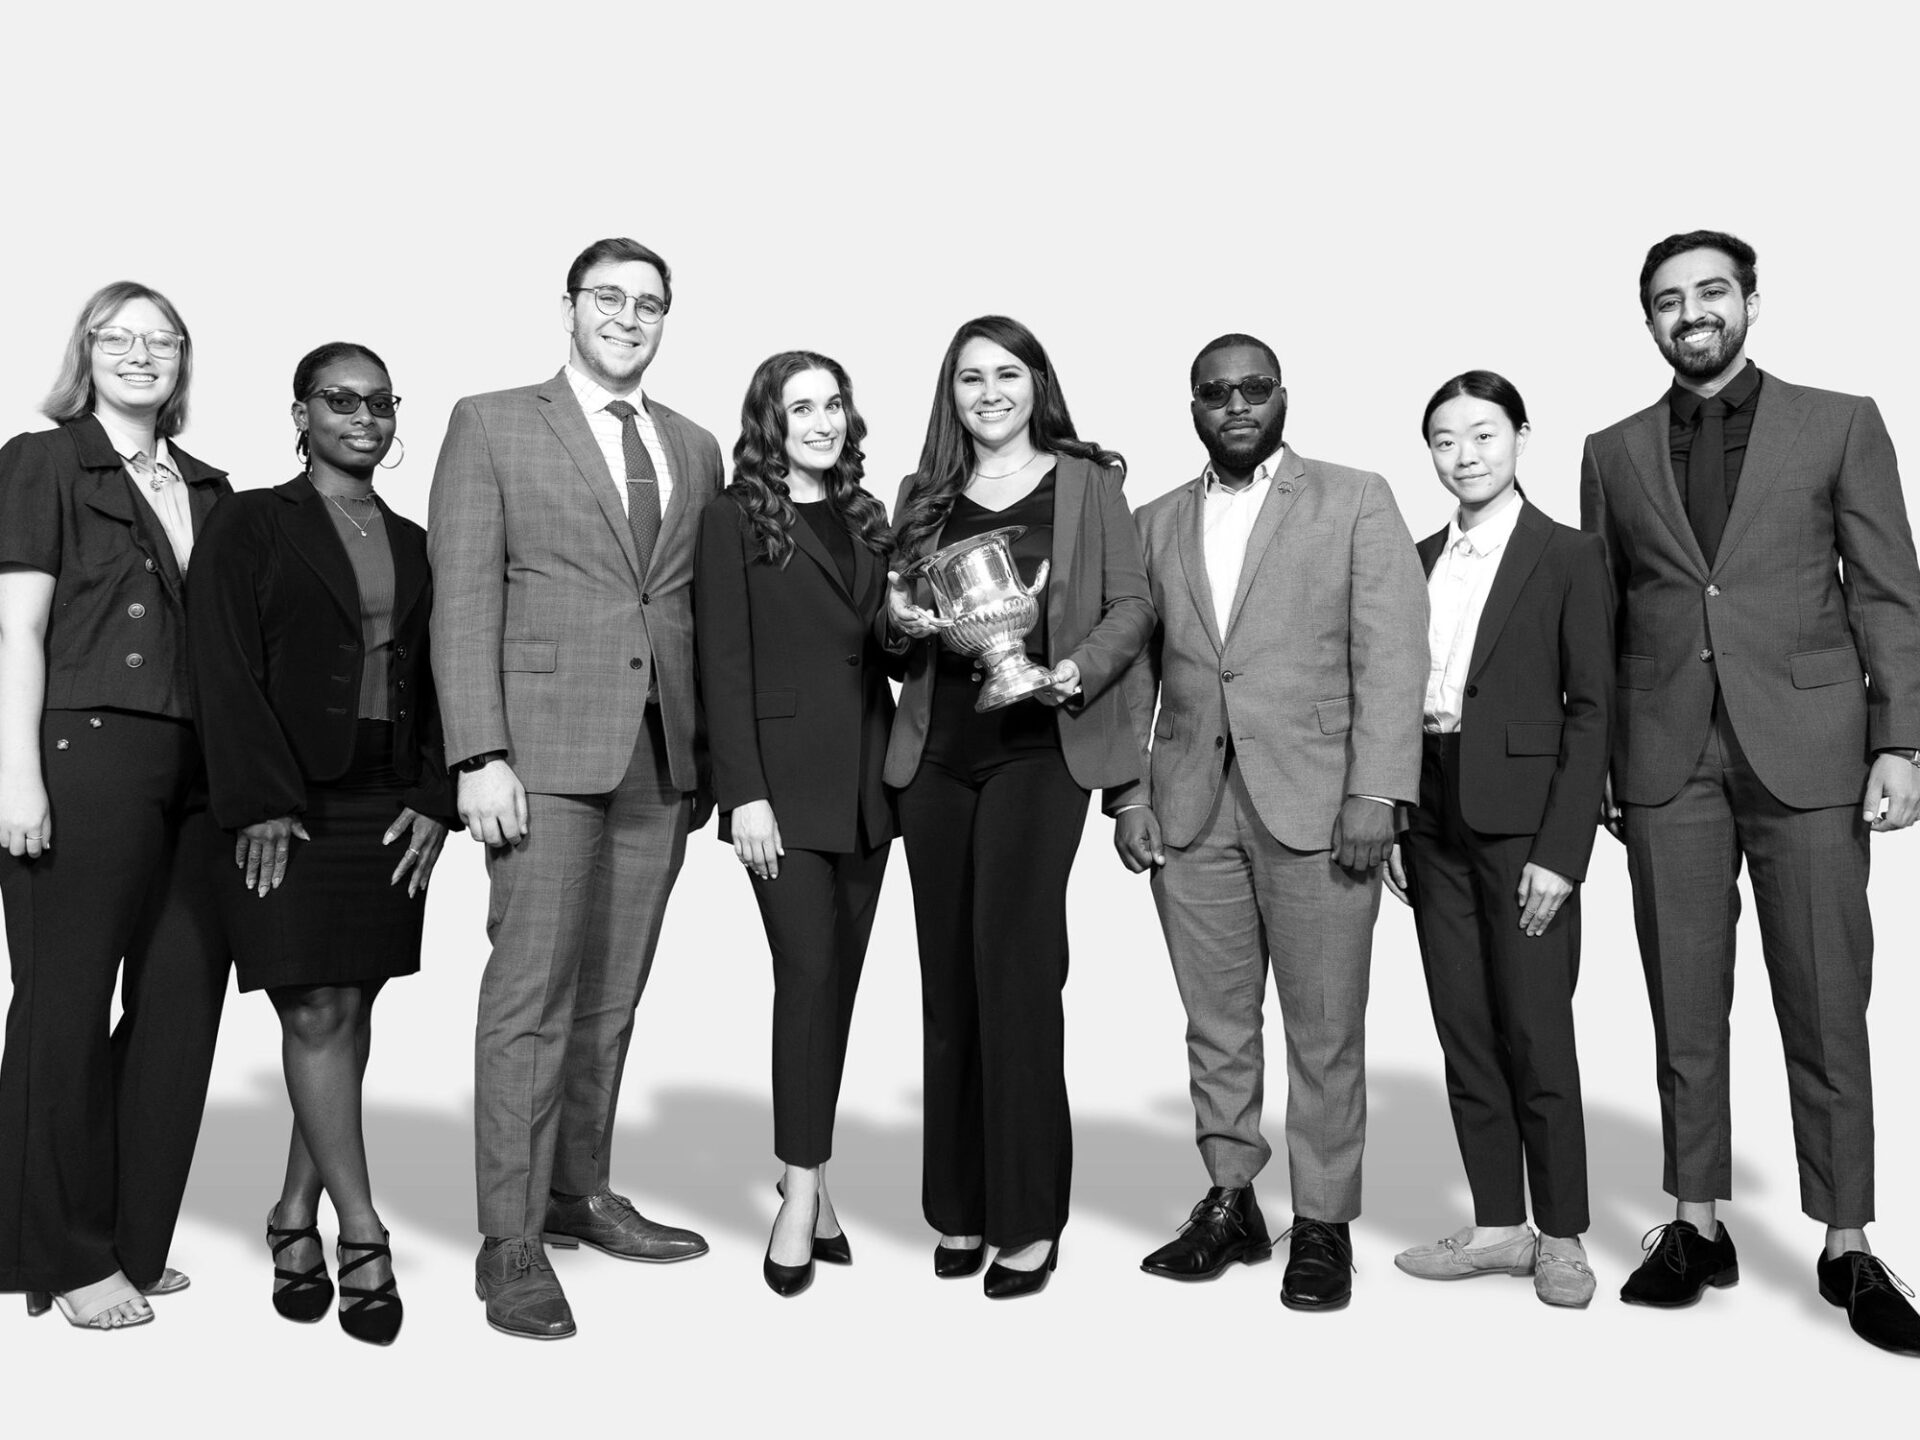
point(1429, 550)
point(1069, 499)
point(1524, 548)
point(561, 409)
point(1652, 461)
point(816, 550)
point(1776, 427)
point(309, 529)
point(109, 492)
point(1281, 492)
point(1190, 519)
point(680, 502)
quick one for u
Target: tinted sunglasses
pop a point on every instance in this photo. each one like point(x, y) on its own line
point(1258, 389)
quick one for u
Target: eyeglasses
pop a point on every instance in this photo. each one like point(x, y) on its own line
point(161, 344)
point(1258, 389)
point(343, 401)
point(611, 299)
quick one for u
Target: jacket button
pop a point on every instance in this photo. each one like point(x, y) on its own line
point(1713, 589)
point(136, 610)
point(1226, 675)
point(645, 598)
point(152, 565)
point(399, 652)
point(403, 714)
point(136, 660)
point(1706, 654)
point(1472, 690)
point(399, 684)
point(853, 659)
point(636, 663)
point(1219, 742)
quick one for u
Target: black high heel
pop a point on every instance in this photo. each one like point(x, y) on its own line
point(307, 1293)
point(1005, 1284)
point(950, 1262)
point(786, 1281)
point(827, 1249)
point(39, 1302)
point(376, 1316)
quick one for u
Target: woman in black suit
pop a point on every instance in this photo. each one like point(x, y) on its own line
point(992, 805)
point(309, 647)
point(1519, 698)
point(789, 593)
point(98, 522)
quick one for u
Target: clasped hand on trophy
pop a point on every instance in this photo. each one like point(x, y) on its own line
point(917, 622)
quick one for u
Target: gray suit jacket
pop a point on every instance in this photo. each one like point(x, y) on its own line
point(1814, 589)
point(1321, 673)
point(544, 631)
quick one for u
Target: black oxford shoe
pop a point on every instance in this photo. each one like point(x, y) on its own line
point(1224, 1227)
point(1319, 1265)
point(1874, 1298)
point(1680, 1264)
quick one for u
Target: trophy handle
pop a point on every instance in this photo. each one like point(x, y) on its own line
point(1039, 577)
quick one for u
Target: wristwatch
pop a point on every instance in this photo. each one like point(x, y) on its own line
point(476, 762)
point(1912, 757)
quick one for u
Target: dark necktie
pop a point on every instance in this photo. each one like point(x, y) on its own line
point(1707, 477)
point(643, 486)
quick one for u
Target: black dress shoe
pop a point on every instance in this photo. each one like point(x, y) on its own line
point(1874, 1299)
point(952, 1263)
point(1224, 1227)
point(827, 1249)
point(1319, 1265)
point(1680, 1263)
point(1004, 1284)
point(786, 1281)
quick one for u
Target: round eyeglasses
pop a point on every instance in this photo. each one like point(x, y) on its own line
point(611, 300)
point(343, 401)
point(1257, 390)
point(161, 344)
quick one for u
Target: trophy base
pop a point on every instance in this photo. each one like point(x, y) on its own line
point(1013, 678)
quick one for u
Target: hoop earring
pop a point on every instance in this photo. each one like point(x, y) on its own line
point(403, 454)
point(300, 447)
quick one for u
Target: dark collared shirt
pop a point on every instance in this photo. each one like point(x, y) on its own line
point(1683, 407)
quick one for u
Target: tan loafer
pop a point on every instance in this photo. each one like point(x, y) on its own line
point(1453, 1259)
point(1561, 1275)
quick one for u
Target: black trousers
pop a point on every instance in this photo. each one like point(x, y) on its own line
point(818, 912)
point(1809, 874)
point(96, 1130)
point(1503, 1005)
point(990, 841)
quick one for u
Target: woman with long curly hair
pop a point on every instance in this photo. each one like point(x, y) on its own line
point(790, 588)
point(992, 804)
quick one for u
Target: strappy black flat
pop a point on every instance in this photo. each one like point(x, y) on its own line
point(376, 1314)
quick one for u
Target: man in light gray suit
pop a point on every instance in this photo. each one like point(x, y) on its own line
point(562, 528)
point(1290, 667)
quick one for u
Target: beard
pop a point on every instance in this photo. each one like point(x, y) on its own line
point(1705, 363)
point(1238, 454)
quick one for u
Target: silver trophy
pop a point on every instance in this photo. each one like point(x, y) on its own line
point(976, 587)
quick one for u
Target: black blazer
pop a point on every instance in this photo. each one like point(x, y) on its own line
point(276, 656)
point(116, 637)
point(794, 682)
point(1538, 703)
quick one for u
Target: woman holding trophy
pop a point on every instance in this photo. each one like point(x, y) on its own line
point(790, 583)
point(993, 775)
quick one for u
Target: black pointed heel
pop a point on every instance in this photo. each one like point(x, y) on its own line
point(377, 1312)
point(39, 1302)
point(787, 1281)
point(1004, 1284)
point(950, 1262)
point(827, 1249)
point(307, 1293)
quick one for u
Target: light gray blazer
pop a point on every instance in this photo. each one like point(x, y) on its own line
point(544, 632)
point(1321, 674)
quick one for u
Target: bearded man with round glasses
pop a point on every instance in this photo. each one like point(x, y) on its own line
point(1290, 668)
point(563, 520)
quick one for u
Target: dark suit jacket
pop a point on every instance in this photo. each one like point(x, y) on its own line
point(546, 633)
point(117, 635)
point(1808, 618)
point(794, 682)
point(1536, 711)
point(277, 654)
point(1098, 616)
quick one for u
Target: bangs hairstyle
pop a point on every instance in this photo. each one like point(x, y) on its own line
point(760, 462)
point(617, 250)
point(1486, 385)
point(72, 396)
point(318, 359)
point(1745, 260)
point(947, 455)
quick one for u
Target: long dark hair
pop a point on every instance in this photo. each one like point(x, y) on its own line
point(947, 456)
point(1486, 385)
point(760, 464)
point(317, 359)
point(72, 397)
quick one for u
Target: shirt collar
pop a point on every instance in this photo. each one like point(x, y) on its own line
point(127, 447)
point(1491, 533)
point(1264, 472)
point(1685, 404)
point(593, 396)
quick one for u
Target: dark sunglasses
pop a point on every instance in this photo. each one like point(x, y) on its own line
point(343, 401)
point(1258, 389)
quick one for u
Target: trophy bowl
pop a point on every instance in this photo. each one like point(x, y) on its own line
point(976, 588)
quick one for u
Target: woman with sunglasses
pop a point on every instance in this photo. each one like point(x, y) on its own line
point(790, 583)
point(99, 519)
point(1518, 706)
point(310, 664)
point(992, 805)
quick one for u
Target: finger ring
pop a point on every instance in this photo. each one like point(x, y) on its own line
point(413, 850)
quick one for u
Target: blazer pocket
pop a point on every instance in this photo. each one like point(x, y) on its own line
point(1635, 672)
point(535, 655)
point(1814, 668)
point(1336, 716)
point(1533, 737)
point(775, 704)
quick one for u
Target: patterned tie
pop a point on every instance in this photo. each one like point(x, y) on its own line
point(1707, 477)
point(643, 486)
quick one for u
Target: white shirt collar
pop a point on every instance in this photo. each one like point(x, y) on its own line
point(593, 396)
point(1491, 533)
point(126, 446)
point(1263, 472)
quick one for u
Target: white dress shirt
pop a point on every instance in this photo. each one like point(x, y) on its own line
point(158, 480)
point(1456, 594)
point(594, 399)
point(1226, 528)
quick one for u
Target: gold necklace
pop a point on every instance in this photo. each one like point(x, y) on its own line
point(980, 474)
point(348, 518)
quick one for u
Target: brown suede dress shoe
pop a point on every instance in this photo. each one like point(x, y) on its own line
point(609, 1223)
point(523, 1294)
